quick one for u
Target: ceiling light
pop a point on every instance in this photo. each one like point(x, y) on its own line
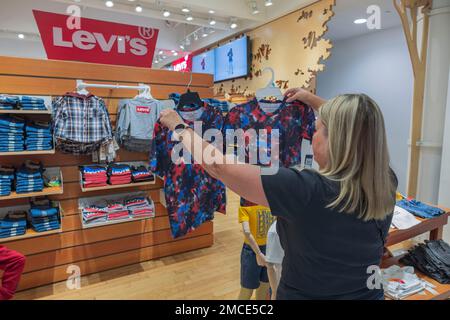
point(175, 53)
point(189, 18)
point(181, 46)
point(166, 13)
point(109, 4)
point(211, 12)
point(204, 34)
point(185, 9)
point(255, 9)
point(21, 36)
point(360, 21)
point(212, 22)
point(156, 61)
point(233, 24)
point(138, 8)
point(268, 3)
point(161, 52)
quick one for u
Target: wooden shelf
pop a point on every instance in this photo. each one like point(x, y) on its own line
point(31, 234)
point(119, 186)
point(27, 153)
point(46, 192)
point(25, 112)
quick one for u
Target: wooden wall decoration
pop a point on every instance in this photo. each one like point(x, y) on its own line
point(292, 45)
point(408, 11)
point(106, 247)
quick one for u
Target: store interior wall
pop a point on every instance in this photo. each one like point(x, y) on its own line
point(378, 65)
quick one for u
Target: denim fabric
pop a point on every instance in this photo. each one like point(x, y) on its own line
point(420, 209)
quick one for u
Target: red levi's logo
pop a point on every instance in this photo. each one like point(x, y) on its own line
point(96, 41)
point(141, 109)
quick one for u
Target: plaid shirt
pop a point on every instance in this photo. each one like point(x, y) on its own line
point(81, 119)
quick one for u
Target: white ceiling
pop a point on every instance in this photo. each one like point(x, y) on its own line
point(16, 17)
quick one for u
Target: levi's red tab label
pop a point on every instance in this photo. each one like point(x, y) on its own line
point(141, 109)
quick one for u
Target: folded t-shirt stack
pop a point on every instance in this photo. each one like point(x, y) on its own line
point(119, 174)
point(38, 136)
point(94, 176)
point(29, 177)
point(31, 103)
point(6, 180)
point(9, 102)
point(140, 207)
point(141, 174)
point(14, 224)
point(94, 214)
point(44, 217)
point(117, 211)
point(11, 134)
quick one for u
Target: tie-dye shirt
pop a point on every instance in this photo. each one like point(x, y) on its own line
point(294, 121)
point(192, 195)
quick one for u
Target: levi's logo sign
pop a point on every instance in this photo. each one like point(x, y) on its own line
point(141, 109)
point(96, 41)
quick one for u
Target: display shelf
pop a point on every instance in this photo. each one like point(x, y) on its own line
point(48, 112)
point(31, 234)
point(27, 153)
point(107, 223)
point(119, 186)
point(46, 192)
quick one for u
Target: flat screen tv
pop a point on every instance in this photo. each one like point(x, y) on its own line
point(231, 60)
point(204, 62)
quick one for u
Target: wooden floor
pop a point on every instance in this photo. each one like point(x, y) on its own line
point(211, 273)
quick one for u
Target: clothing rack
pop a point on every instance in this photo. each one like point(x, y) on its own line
point(83, 85)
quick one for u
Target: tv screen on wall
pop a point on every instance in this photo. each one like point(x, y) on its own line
point(204, 62)
point(231, 60)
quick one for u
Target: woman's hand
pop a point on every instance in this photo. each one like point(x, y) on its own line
point(304, 96)
point(297, 94)
point(170, 119)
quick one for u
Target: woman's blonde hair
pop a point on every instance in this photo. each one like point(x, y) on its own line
point(358, 156)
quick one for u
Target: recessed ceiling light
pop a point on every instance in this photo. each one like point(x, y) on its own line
point(156, 61)
point(204, 34)
point(166, 13)
point(173, 51)
point(189, 18)
point(255, 9)
point(161, 52)
point(109, 4)
point(175, 54)
point(233, 25)
point(360, 21)
point(21, 36)
point(268, 3)
point(138, 8)
point(185, 9)
point(211, 12)
point(212, 22)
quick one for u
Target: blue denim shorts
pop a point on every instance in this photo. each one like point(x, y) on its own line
point(251, 273)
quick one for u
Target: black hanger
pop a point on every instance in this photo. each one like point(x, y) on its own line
point(189, 98)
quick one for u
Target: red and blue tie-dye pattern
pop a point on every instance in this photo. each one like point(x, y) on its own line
point(192, 195)
point(295, 122)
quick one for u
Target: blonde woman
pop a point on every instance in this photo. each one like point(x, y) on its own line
point(333, 222)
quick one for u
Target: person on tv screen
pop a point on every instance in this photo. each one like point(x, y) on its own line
point(230, 61)
point(203, 63)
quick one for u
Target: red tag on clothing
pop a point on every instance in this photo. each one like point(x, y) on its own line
point(141, 109)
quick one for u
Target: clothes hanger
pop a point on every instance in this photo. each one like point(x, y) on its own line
point(189, 97)
point(144, 93)
point(81, 89)
point(270, 90)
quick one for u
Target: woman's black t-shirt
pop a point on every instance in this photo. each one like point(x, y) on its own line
point(327, 253)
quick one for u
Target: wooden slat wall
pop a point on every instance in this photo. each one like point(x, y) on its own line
point(106, 247)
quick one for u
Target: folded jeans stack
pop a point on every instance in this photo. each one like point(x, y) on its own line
point(12, 227)
point(31, 103)
point(44, 218)
point(94, 176)
point(140, 207)
point(38, 137)
point(9, 102)
point(431, 258)
point(29, 178)
point(6, 180)
point(11, 134)
point(119, 174)
point(141, 174)
point(420, 209)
